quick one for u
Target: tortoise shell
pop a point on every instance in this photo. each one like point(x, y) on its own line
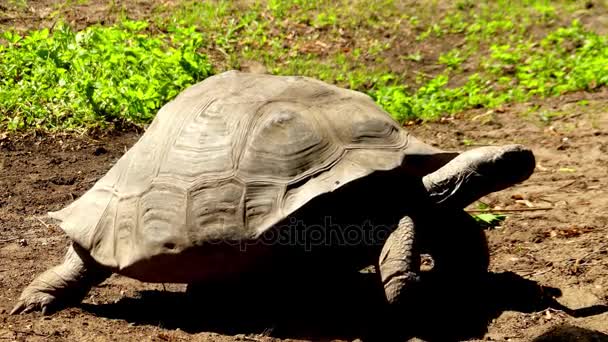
point(227, 159)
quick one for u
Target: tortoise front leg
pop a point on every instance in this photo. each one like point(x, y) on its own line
point(399, 262)
point(452, 237)
point(66, 283)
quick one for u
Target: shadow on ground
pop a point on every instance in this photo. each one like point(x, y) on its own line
point(569, 333)
point(344, 307)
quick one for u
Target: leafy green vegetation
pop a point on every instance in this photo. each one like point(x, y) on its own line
point(97, 76)
point(567, 59)
point(486, 218)
point(489, 219)
point(18, 3)
point(420, 61)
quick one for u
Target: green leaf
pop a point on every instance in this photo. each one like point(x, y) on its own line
point(489, 219)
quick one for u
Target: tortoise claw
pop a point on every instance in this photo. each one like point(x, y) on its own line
point(18, 308)
point(29, 308)
point(33, 301)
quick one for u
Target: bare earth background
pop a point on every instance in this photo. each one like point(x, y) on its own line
point(556, 238)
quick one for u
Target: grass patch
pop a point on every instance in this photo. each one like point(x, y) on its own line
point(99, 76)
point(566, 60)
point(420, 61)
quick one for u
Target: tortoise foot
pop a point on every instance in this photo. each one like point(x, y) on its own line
point(34, 298)
point(64, 284)
point(399, 263)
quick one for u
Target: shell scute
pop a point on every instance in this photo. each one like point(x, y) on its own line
point(216, 211)
point(284, 144)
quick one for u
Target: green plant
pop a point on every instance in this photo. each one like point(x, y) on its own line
point(489, 219)
point(18, 3)
point(567, 59)
point(325, 19)
point(415, 57)
point(73, 80)
point(123, 73)
point(452, 59)
point(485, 217)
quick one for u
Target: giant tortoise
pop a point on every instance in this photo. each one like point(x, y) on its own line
point(246, 172)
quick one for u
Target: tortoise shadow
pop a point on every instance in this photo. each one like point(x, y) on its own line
point(344, 307)
point(567, 333)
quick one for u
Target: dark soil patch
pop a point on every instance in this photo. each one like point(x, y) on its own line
point(38, 14)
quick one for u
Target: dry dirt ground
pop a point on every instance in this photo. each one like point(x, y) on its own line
point(553, 241)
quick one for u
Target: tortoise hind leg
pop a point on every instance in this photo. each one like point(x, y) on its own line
point(399, 262)
point(63, 284)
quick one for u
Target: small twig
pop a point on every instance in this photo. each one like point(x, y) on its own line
point(585, 256)
point(9, 240)
point(52, 28)
point(252, 339)
point(566, 185)
point(44, 223)
point(28, 333)
point(505, 210)
point(223, 52)
point(537, 273)
point(571, 116)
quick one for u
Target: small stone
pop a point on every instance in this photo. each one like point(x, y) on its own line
point(100, 150)
point(517, 197)
point(23, 243)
